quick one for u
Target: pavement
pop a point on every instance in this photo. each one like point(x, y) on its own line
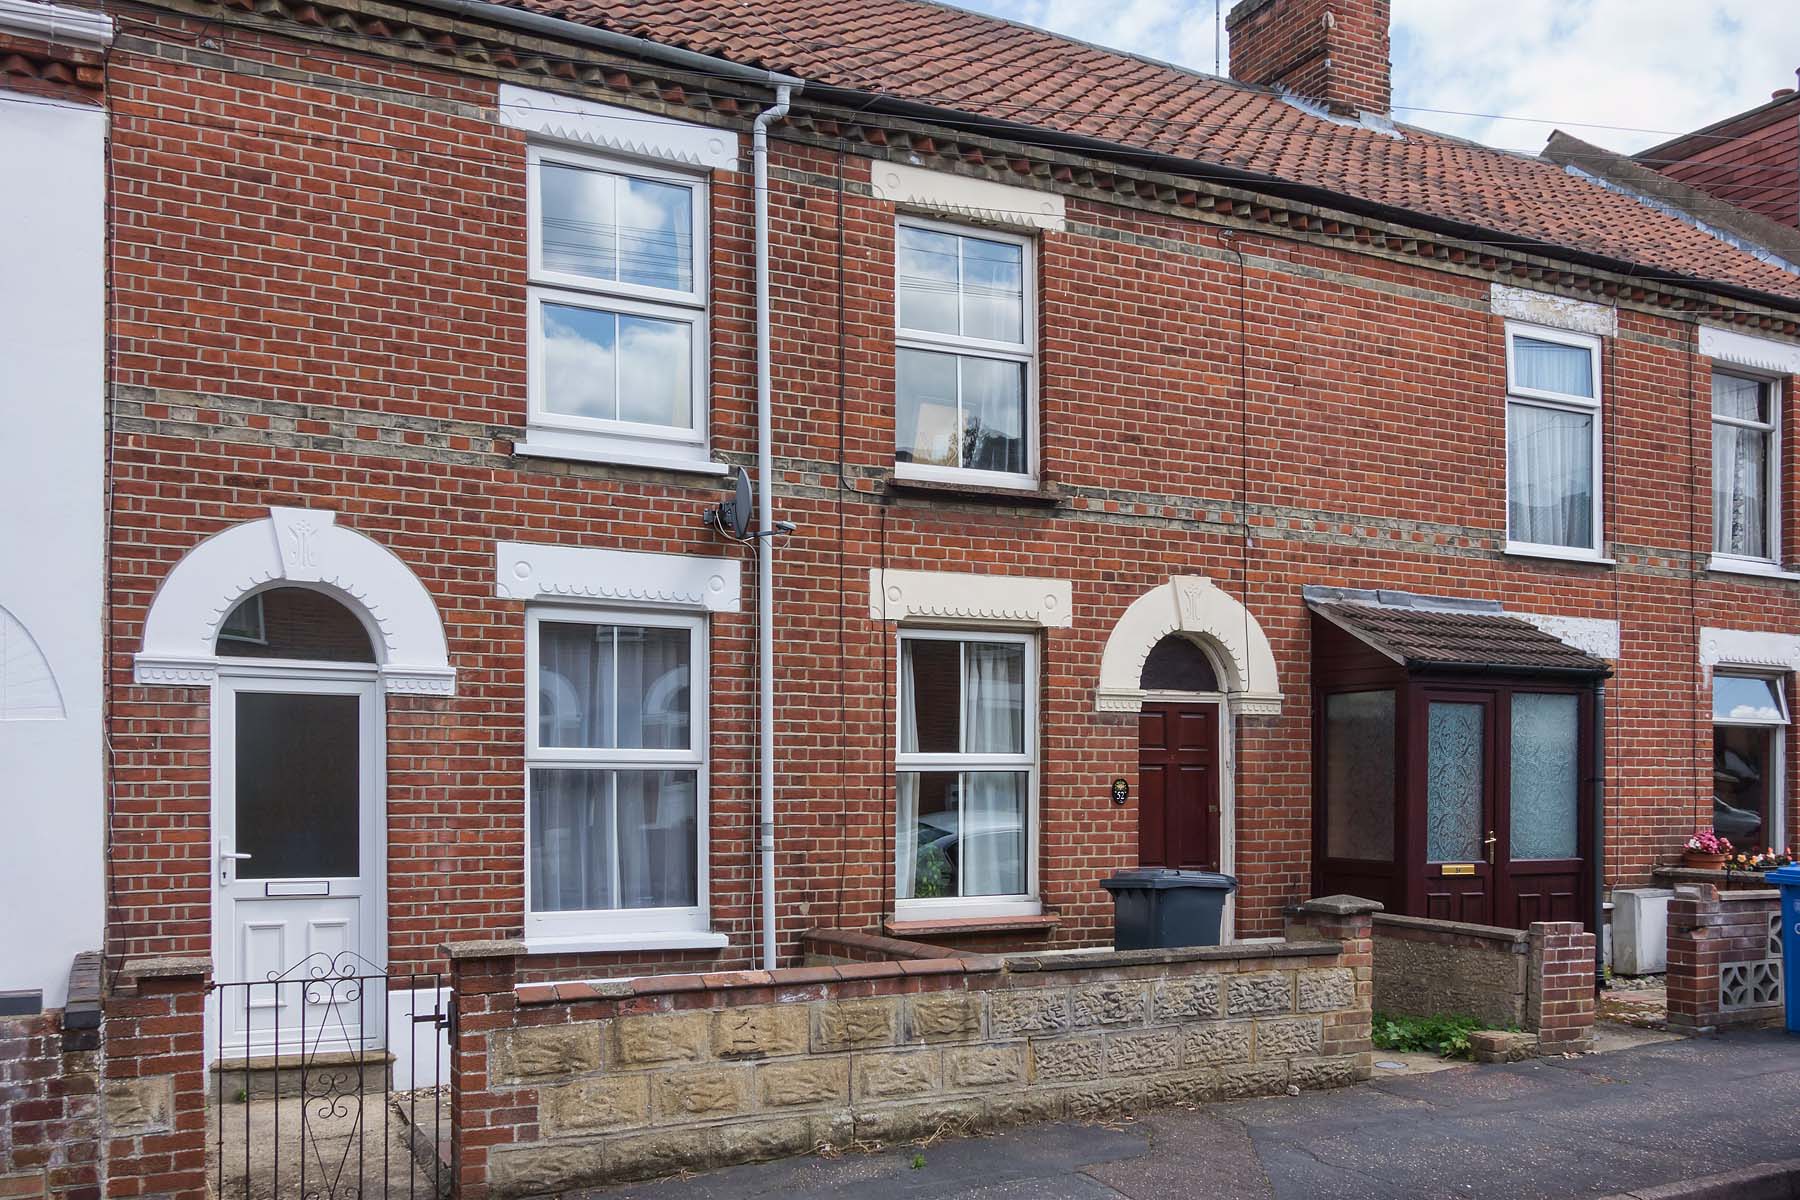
point(1590, 1126)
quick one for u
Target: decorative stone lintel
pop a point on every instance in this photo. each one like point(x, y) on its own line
point(532, 571)
point(967, 198)
point(1747, 350)
point(628, 131)
point(1749, 648)
point(1022, 600)
point(1555, 312)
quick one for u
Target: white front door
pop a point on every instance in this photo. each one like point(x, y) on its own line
point(297, 861)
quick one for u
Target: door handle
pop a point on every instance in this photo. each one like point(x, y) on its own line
point(1489, 843)
point(226, 859)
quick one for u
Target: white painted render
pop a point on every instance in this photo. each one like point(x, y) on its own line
point(52, 330)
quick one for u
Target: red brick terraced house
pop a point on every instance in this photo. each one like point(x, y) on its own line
point(1182, 471)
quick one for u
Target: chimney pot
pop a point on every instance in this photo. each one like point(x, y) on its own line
point(1332, 51)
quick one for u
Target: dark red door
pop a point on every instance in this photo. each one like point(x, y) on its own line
point(1178, 786)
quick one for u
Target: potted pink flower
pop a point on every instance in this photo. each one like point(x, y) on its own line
point(1706, 850)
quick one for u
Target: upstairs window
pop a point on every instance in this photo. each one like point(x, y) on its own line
point(1552, 442)
point(965, 356)
point(1744, 428)
point(617, 309)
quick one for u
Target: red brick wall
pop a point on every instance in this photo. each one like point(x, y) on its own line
point(320, 300)
point(1330, 50)
point(1708, 931)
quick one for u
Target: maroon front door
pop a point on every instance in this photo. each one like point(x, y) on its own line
point(1178, 786)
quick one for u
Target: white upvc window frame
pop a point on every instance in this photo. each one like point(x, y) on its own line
point(1769, 564)
point(1024, 352)
point(636, 928)
point(596, 438)
point(1778, 792)
point(1565, 402)
point(1025, 903)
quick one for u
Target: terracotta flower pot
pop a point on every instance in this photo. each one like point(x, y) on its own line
point(1704, 862)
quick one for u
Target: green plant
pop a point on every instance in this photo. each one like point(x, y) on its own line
point(240, 1096)
point(918, 1160)
point(932, 874)
point(1446, 1035)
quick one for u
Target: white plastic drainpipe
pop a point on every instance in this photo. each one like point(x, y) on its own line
point(765, 541)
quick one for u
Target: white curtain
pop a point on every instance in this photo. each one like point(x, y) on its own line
point(1740, 469)
point(992, 820)
point(906, 806)
point(604, 838)
point(571, 840)
point(1550, 476)
point(1552, 367)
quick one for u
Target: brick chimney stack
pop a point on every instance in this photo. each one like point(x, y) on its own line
point(1332, 51)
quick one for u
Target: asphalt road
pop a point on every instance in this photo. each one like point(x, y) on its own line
point(1583, 1127)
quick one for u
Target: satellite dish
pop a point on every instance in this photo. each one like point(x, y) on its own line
point(733, 517)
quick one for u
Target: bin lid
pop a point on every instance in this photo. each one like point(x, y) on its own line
point(1158, 878)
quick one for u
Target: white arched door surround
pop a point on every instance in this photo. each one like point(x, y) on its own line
point(1224, 628)
point(303, 547)
point(267, 918)
point(1232, 639)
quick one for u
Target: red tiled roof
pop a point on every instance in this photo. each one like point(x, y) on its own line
point(1427, 637)
point(950, 58)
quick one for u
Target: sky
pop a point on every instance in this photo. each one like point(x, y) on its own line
point(1624, 74)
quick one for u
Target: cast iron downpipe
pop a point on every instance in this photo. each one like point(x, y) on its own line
point(765, 540)
point(1599, 834)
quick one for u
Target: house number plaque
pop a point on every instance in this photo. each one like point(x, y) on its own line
point(1121, 791)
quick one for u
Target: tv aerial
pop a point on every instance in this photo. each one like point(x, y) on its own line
point(734, 517)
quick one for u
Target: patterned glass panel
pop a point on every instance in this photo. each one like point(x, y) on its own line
point(1453, 790)
point(1359, 776)
point(1545, 730)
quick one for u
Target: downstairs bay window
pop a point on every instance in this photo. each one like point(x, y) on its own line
point(615, 776)
point(966, 775)
point(1750, 718)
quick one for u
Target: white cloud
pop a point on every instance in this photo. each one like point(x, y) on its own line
point(1622, 73)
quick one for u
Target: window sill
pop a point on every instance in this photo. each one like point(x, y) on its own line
point(1042, 496)
point(623, 458)
point(939, 926)
point(1745, 566)
point(601, 943)
point(1578, 557)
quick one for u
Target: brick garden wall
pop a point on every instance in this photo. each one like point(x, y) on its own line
point(1425, 967)
point(319, 274)
point(1724, 957)
point(560, 1086)
point(1539, 979)
point(50, 1096)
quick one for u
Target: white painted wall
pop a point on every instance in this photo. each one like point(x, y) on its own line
point(52, 180)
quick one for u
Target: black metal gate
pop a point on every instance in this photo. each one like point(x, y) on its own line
point(306, 1099)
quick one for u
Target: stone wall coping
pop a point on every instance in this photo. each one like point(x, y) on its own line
point(1337, 906)
point(726, 981)
point(496, 948)
point(887, 947)
point(164, 967)
point(1737, 880)
point(857, 972)
point(1394, 922)
point(1101, 959)
point(955, 926)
